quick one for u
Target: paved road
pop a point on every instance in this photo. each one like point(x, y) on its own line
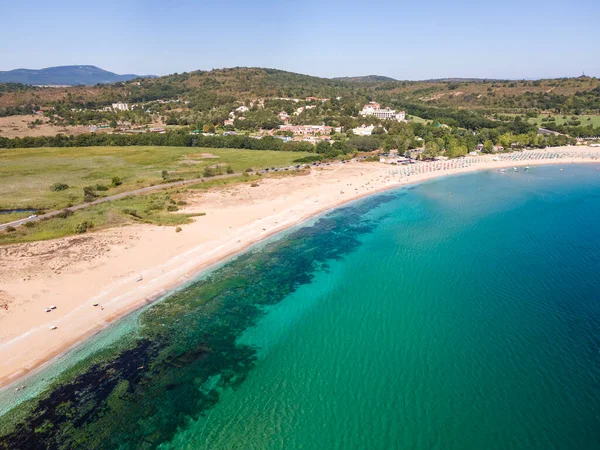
point(114, 197)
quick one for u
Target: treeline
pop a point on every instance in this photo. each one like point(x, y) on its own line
point(467, 119)
point(170, 139)
point(575, 131)
point(14, 87)
point(18, 110)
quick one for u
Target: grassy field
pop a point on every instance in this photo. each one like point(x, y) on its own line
point(560, 120)
point(160, 208)
point(417, 119)
point(26, 175)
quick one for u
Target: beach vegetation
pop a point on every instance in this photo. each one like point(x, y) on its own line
point(84, 226)
point(57, 187)
point(23, 171)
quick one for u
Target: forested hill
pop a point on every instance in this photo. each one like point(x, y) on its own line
point(63, 75)
point(204, 90)
point(365, 79)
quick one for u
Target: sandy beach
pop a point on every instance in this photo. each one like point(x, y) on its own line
point(124, 268)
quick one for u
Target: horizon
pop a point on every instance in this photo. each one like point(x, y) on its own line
point(443, 78)
point(468, 40)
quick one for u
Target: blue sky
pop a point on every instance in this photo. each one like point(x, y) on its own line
point(404, 40)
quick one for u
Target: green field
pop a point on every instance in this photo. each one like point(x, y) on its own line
point(26, 175)
point(417, 119)
point(561, 120)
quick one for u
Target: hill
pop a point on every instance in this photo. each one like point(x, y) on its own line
point(64, 75)
point(366, 79)
point(200, 95)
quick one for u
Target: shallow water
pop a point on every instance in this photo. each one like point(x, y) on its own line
point(461, 313)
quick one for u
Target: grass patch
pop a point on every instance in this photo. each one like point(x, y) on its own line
point(27, 175)
point(151, 209)
point(561, 120)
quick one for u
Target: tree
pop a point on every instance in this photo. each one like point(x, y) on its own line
point(208, 128)
point(323, 147)
point(488, 146)
point(432, 149)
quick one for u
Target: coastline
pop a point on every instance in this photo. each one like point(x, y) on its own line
point(237, 218)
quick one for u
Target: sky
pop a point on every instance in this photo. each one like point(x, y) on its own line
point(509, 39)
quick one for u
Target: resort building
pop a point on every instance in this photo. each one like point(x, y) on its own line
point(242, 109)
point(120, 106)
point(375, 109)
point(363, 130)
point(309, 130)
point(284, 117)
point(228, 122)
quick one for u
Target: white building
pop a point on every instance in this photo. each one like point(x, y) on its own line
point(242, 109)
point(363, 130)
point(374, 109)
point(120, 106)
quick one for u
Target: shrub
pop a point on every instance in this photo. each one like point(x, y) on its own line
point(254, 185)
point(89, 194)
point(57, 187)
point(10, 229)
point(249, 169)
point(172, 208)
point(29, 224)
point(181, 203)
point(84, 226)
point(101, 187)
point(164, 174)
point(229, 169)
point(177, 230)
point(116, 181)
point(208, 172)
point(131, 212)
point(65, 213)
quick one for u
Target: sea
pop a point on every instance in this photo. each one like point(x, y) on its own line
point(459, 313)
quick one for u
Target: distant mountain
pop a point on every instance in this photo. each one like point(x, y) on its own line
point(366, 79)
point(65, 75)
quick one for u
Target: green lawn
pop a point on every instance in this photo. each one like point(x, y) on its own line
point(417, 119)
point(585, 120)
point(27, 174)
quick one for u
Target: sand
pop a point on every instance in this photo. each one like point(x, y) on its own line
point(124, 268)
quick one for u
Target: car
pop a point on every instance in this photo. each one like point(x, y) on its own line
point(33, 216)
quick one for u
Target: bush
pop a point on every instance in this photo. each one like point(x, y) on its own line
point(177, 230)
point(57, 187)
point(65, 213)
point(84, 226)
point(10, 229)
point(249, 169)
point(101, 187)
point(254, 185)
point(89, 194)
point(308, 159)
point(29, 224)
point(116, 181)
point(229, 169)
point(131, 212)
point(172, 208)
point(208, 172)
point(181, 203)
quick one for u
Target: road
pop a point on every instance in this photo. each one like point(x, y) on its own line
point(114, 197)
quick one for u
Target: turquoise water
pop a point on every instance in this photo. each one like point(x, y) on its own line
point(462, 313)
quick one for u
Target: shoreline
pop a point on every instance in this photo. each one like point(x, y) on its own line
point(25, 347)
